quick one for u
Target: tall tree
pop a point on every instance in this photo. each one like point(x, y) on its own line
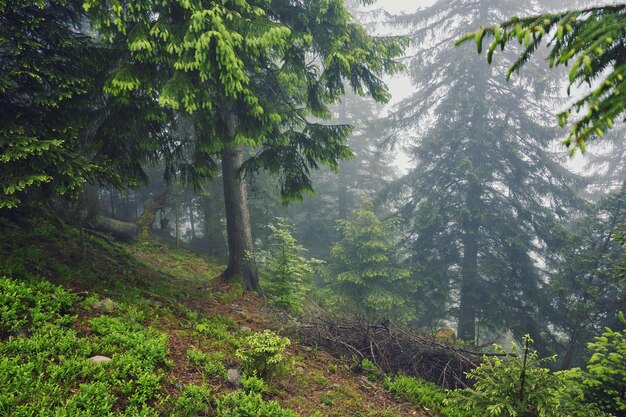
point(483, 188)
point(251, 74)
point(45, 64)
point(59, 130)
point(593, 40)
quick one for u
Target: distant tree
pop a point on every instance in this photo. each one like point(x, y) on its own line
point(586, 293)
point(483, 194)
point(246, 72)
point(365, 267)
point(593, 41)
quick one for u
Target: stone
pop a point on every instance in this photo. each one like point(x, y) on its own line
point(245, 329)
point(99, 359)
point(234, 377)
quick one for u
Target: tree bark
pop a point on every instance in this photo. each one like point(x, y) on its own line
point(213, 224)
point(192, 219)
point(241, 263)
point(469, 268)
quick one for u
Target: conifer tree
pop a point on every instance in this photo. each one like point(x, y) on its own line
point(365, 267)
point(45, 65)
point(592, 40)
point(58, 129)
point(484, 187)
point(287, 275)
point(252, 74)
point(586, 288)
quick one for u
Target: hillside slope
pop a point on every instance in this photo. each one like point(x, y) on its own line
point(172, 333)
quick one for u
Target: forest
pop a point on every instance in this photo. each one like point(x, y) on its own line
point(278, 208)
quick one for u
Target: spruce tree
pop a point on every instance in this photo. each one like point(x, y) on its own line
point(592, 40)
point(244, 71)
point(484, 190)
point(365, 267)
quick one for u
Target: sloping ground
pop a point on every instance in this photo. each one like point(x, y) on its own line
point(171, 330)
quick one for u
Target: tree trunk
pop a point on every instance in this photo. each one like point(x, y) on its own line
point(469, 268)
point(112, 203)
point(241, 263)
point(177, 214)
point(192, 220)
point(213, 224)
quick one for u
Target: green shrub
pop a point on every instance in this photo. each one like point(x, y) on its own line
point(120, 335)
point(193, 401)
point(250, 405)
point(519, 385)
point(23, 305)
point(211, 363)
point(421, 393)
point(218, 328)
point(263, 354)
point(45, 368)
point(605, 379)
point(252, 384)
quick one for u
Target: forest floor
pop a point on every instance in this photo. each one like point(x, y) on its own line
point(170, 327)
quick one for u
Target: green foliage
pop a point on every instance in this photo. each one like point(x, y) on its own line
point(263, 354)
point(365, 267)
point(605, 379)
point(518, 385)
point(193, 401)
point(250, 405)
point(253, 385)
point(23, 306)
point(286, 274)
point(592, 41)
point(586, 289)
point(219, 328)
point(211, 363)
point(42, 69)
point(215, 60)
point(422, 393)
point(58, 130)
point(44, 365)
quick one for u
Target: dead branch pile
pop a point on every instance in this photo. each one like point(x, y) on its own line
point(391, 348)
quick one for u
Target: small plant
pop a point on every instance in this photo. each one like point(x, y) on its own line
point(263, 354)
point(370, 370)
point(252, 384)
point(518, 385)
point(193, 401)
point(23, 305)
point(250, 405)
point(218, 328)
point(420, 392)
point(605, 379)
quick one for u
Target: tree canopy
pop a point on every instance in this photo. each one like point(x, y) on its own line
point(273, 65)
point(593, 41)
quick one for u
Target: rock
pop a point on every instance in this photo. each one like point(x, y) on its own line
point(245, 329)
point(107, 305)
point(234, 377)
point(99, 359)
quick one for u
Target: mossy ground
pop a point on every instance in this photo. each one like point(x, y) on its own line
point(172, 333)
